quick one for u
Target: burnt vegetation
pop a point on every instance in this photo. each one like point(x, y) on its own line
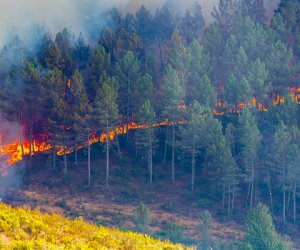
point(164, 100)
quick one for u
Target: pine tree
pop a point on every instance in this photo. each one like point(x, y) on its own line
point(59, 114)
point(191, 135)
point(248, 139)
point(282, 139)
point(128, 72)
point(107, 113)
point(228, 173)
point(293, 171)
point(145, 137)
point(193, 24)
point(173, 97)
point(237, 92)
point(81, 53)
point(83, 119)
point(226, 15)
point(31, 78)
point(99, 69)
point(144, 90)
point(255, 9)
point(260, 232)
point(199, 86)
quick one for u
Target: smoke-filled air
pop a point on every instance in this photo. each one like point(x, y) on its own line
point(150, 124)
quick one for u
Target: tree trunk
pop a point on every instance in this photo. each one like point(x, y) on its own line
point(150, 163)
point(166, 146)
point(270, 191)
point(284, 194)
point(118, 147)
point(193, 167)
point(295, 205)
point(248, 194)
point(252, 184)
point(89, 160)
point(160, 55)
point(223, 197)
point(205, 164)
point(107, 160)
point(21, 136)
point(173, 154)
point(31, 138)
point(128, 107)
point(54, 159)
point(65, 161)
point(289, 198)
point(76, 155)
point(233, 198)
point(229, 200)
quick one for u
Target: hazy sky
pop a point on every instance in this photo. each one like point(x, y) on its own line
point(57, 14)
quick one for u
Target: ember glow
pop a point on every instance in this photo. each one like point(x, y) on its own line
point(15, 152)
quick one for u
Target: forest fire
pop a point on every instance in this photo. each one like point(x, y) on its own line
point(15, 152)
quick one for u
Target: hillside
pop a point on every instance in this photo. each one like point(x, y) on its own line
point(26, 229)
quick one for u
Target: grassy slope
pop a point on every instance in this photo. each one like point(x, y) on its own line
point(26, 229)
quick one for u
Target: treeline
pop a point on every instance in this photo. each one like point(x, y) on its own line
point(156, 65)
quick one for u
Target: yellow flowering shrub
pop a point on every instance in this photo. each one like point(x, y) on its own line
point(27, 229)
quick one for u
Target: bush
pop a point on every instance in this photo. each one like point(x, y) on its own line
point(25, 229)
point(173, 231)
point(205, 227)
point(141, 218)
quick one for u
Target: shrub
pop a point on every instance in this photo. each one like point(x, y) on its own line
point(141, 217)
point(173, 231)
point(26, 229)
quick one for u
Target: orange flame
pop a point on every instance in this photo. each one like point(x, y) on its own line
point(14, 152)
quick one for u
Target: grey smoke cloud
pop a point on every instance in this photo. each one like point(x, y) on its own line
point(57, 14)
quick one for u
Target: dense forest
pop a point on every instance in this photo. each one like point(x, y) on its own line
point(218, 100)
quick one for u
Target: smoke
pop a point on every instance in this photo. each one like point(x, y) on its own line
point(10, 178)
point(17, 15)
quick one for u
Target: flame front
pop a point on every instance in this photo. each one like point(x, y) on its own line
point(14, 152)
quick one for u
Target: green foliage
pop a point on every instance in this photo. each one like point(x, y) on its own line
point(260, 232)
point(141, 218)
point(172, 231)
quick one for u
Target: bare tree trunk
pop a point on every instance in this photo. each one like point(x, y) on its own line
point(127, 107)
point(284, 193)
point(89, 160)
point(248, 194)
point(223, 198)
point(229, 200)
point(193, 167)
point(295, 205)
point(54, 159)
point(107, 160)
point(289, 198)
point(29, 168)
point(65, 161)
point(270, 191)
point(166, 146)
point(252, 184)
point(76, 154)
point(31, 138)
point(205, 164)
point(160, 55)
point(150, 163)
point(173, 153)
point(21, 136)
point(118, 147)
point(233, 198)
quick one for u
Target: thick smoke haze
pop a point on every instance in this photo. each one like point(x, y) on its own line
point(17, 15)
